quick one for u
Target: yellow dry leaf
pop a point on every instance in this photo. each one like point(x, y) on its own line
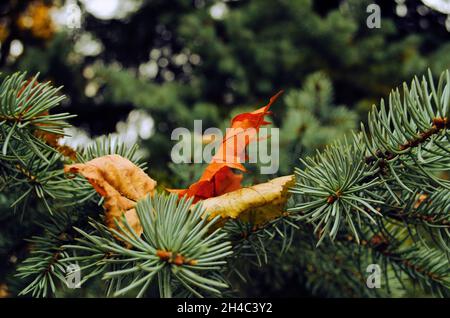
point(120, 182)
point(257, 204)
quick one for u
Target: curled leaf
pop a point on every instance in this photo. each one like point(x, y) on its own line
point(120, 182)
point(218, 177)
point(257, 204)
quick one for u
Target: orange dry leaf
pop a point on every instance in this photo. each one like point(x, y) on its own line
point(218, 177)
point(53, 141)
point(120, 182)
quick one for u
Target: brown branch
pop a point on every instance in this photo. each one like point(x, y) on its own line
point(381, 244)
point(432, 219)
point(27, 173)
point(334, 197)
point(439, 123)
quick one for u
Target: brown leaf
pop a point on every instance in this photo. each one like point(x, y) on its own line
point(257, 204)
point(120, 182)
point(53, 140)
point(218, 177)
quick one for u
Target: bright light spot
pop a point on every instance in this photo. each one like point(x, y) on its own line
point(439, 5)
point(146, 128)
point(68, 15)
point(168, 76)
point(155, 54)
point(102, 9)
point(111, 9)
point(87, 45)
point(447, 23)
point(138, 125)
point(194, 59)
point(16, 48)
point(88, 72)
point(401, 10)
point(149, 69)
point(163, 62)
point(180, 59)
point(91, 89)
point(218, 11)
point(76, 138)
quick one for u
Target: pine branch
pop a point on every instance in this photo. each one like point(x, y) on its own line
point(44, 268)
point(413, 132)
point(342, 180)
point(24, 108)
point(175, 247)
point(333, 188)
point(106, 145)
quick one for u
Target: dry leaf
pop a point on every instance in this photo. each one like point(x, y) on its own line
point(218, 177)
point(120, 182)
point(257, 204)
point(52, 140)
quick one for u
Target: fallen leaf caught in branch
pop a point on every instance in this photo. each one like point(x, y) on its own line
point(218, 177)
point(120, 182)
point(257, 204)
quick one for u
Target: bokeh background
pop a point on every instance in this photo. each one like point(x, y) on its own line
point(137, 69)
